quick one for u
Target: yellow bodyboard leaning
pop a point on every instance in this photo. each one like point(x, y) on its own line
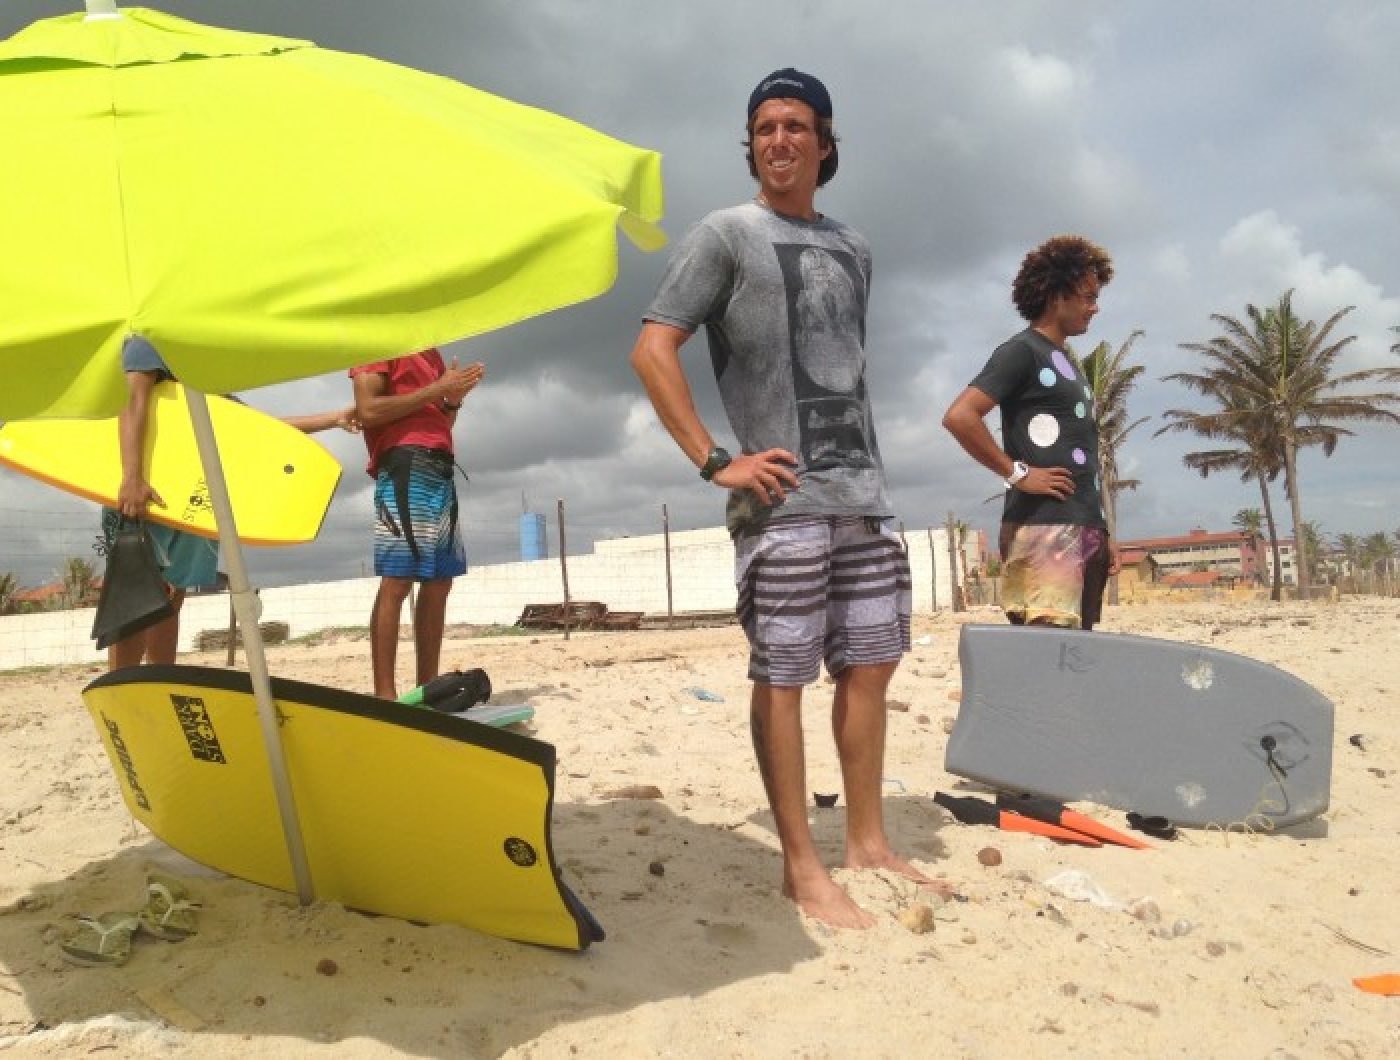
point(280, 482)
point(404, 811)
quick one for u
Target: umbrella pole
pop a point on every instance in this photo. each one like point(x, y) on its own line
point(249, 609)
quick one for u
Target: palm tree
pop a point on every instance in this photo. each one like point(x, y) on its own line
point(1284, 368)
point(1250, 522)
point(1350, 545)
point(78, 578)
point(964, 531)
point(1378, 553)
point(1307, 550)
point(1395, 348)
point(1238, 422)
point(9, 585)
point(1111, 379)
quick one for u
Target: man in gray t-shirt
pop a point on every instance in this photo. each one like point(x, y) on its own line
point(781, 292)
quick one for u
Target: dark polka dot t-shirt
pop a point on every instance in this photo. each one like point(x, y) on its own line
point(1046, 421)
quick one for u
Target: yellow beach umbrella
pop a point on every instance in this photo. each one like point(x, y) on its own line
point(262, 210)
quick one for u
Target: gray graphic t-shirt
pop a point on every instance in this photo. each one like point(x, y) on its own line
point(783, 305)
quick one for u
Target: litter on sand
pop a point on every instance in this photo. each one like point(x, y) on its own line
point(703, 695)
point(1079, 886)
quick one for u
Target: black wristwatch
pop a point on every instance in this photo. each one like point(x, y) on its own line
point(717, 461)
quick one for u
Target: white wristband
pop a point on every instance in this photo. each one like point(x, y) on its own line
point(1018, 471)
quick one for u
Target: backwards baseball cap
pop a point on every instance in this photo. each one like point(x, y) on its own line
point(788, 83)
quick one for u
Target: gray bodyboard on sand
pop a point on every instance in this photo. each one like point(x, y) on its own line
point(1194, 734)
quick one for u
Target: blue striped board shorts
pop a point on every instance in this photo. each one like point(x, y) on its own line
point(416, 534)
point(814, 588)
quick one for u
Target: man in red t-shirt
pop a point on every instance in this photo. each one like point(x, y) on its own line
point(407, 408)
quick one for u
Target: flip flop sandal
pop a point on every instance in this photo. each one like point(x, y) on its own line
point(169, 913)
point(1157, 827)
point(102, 941)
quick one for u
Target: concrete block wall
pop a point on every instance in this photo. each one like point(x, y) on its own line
point(627, 574)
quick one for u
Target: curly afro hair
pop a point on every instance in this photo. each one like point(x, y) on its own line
point(1057, 267)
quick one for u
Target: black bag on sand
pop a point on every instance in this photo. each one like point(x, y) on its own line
point(133, 592)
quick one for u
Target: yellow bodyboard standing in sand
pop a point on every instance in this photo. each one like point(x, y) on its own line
point(404, 811)
point(280, 482)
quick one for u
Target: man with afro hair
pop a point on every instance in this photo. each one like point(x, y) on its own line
point(1054, 543)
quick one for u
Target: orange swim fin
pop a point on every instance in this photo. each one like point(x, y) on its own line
point(971, 810)
point(1385, 985)
point(1015, 822)
point(1058, 813)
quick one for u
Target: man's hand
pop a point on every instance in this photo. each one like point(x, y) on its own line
point(1115, 561)
point(455, 383)
point(1054, 482)
point(134, 496)
point(348, 419)
point(763, 474)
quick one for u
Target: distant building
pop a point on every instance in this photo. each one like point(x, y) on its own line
point(1199, 579)
point(42, 598)
point(1232, 555)
point(52, 597)
point(533, 542)
point(1136, 567)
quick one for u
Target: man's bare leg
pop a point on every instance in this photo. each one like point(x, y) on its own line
point(429, 620)
point(154, 644)
point(129, 651)
point(775, 718)
point(163, 638)
point(858, 724)
point(384, 633)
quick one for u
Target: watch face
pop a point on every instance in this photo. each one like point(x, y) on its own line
point(718, 460)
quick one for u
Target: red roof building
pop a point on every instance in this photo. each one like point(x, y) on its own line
point(1232, 553)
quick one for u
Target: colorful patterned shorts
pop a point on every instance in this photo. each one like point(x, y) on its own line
point(822, 587)
point(1053, 575)
point(415, 504)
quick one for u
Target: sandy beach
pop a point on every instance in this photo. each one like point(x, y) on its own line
point(1243, 946)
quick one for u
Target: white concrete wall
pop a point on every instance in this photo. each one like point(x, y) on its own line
point(627, 574)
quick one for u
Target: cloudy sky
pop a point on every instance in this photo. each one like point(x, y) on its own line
point(1222, 153)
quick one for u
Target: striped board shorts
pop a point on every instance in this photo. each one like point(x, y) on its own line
point(1053, 575)
point(415, 504)
point(814, 588)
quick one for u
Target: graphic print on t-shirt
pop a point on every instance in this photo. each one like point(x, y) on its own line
point(826, 332)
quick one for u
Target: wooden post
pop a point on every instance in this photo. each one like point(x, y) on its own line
point(666, 533)
point(564, 569)
point(953, 564)
point(232, 634)
point(932, 571)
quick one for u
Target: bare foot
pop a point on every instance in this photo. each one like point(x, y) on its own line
point(823, 899)
point(892, 862)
